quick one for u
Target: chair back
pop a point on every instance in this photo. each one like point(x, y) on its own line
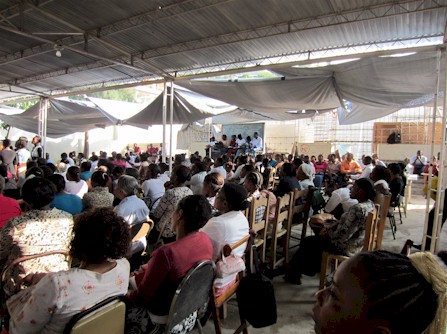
point(299, 200)
point(226, 251)
point(141, 229)
point(283, 210)
point(301, 203)
point(106, 317)
point(271, 180)
point(371, 229)
point(256, 222)
point(384, 201)
point(192, 293)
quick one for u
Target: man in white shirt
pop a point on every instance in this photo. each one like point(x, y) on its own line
point(379, 162)
point(131, 208)
point(367, 161)
point(418, 161)
point(241, 145)
point(257, 143)
point(340, 202)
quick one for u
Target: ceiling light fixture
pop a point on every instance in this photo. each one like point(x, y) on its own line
point(58, 48)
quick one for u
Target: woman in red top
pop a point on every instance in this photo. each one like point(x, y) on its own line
point(160, 277)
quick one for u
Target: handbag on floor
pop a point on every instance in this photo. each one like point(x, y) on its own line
point(256, 298)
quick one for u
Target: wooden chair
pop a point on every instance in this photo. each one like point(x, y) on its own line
point(259, 226)
point(192, 293)
point(141, 229)
point(219, 303)
point(272, 178)
point(371, 235)
point(384, 201)
point(302, 200)
point(106, 317)
point(283, 220)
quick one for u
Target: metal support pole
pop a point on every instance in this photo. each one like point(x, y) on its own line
point(42, 123)
point(432, 150)
point(171, 120)
point(165, 92)
point(439, 205)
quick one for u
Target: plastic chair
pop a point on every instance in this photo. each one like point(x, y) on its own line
point(192, 294)
point(106, 317)
point(371, 235)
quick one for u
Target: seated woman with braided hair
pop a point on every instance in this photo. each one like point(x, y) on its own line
point(384, 293)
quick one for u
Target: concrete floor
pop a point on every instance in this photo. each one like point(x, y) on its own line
point(295, 302)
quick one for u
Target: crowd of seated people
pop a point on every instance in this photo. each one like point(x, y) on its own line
point(199, 206)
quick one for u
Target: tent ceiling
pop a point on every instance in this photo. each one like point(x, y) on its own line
point(373, 87)
point(124, 42)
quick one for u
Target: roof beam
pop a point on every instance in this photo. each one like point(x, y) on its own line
point(366, 13)
point(120, 62)
point(395, 8)
point(167, 12)
point(98, 34)
point(230, 69)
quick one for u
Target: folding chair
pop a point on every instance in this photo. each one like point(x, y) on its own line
point(371, 235)
point(192, 294)
point(106, 317)
point(392, 218)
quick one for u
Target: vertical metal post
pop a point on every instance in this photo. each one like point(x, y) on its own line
point(42, 121)
point(439, 204)
point(165, 92)
point(171, 120)
point(432, 150)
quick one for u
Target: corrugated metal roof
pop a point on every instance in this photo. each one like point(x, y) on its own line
point(123, 41)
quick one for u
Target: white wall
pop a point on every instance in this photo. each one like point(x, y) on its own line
point(113, 138)
point(398, 152)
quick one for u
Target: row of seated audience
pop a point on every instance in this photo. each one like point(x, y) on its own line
point(186, 223)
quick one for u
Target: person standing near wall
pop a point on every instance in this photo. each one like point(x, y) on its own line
point(37, 151)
